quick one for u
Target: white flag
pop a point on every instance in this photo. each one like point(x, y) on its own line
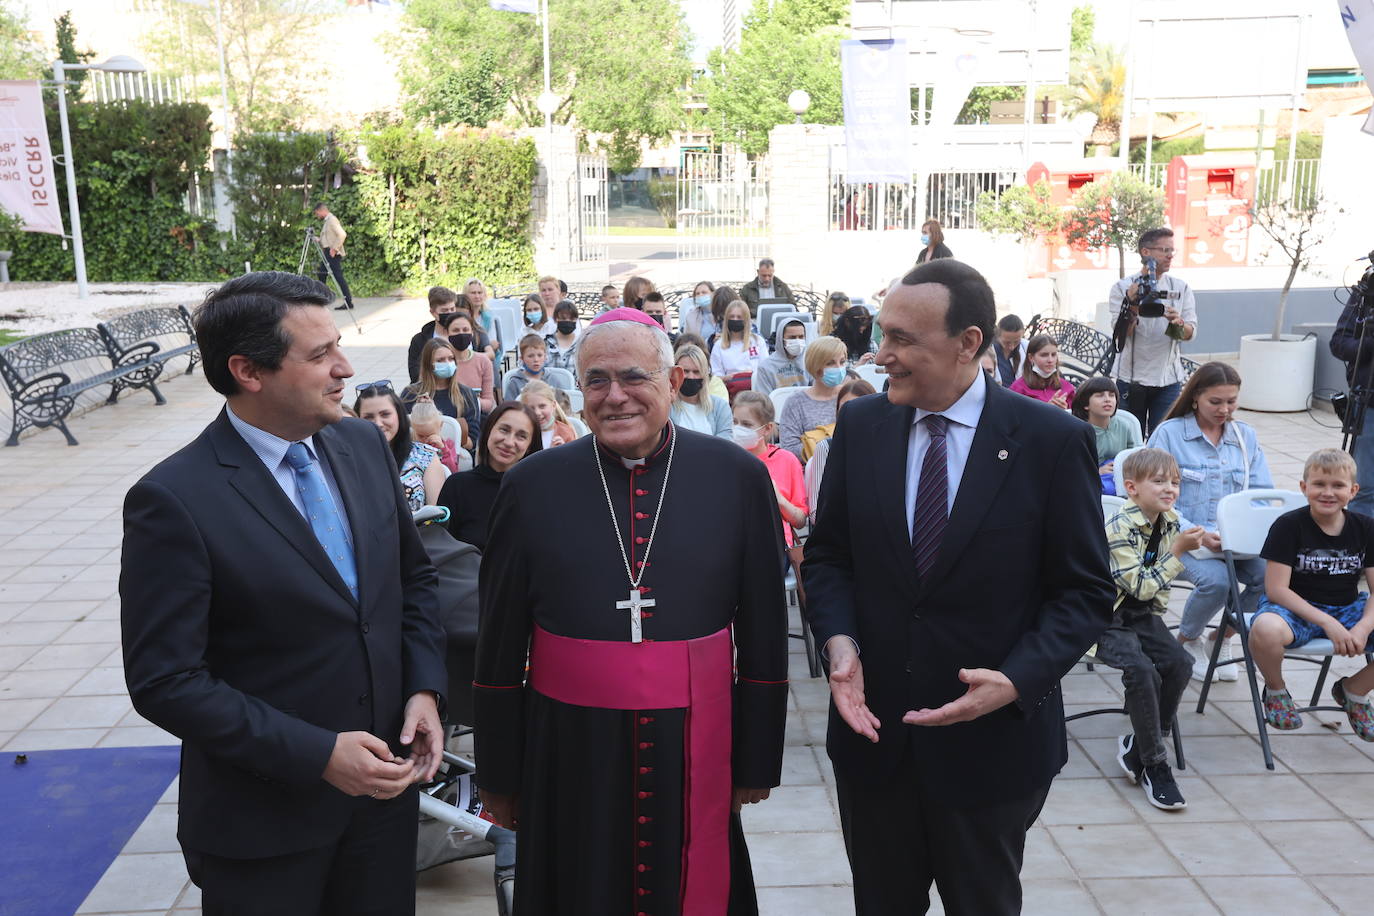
point(1358, 18)
point(27, 186)
point(515, 6)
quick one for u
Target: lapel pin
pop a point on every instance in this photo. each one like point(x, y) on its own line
point(1002, 455)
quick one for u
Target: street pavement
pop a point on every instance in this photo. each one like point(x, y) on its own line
point(1299, 839)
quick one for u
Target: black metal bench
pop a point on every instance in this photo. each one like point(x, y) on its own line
point(130, 332)
point(1087, 349)
point(43, 394)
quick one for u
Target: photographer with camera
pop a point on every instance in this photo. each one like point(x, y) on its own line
point(332, 237)
point(1155, 311)
point(1353, 344)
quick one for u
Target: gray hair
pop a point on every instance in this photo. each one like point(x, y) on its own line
point(662, 342)
point(766, 262)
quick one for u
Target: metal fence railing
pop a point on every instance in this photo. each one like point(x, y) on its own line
point(1298, 180)
point(948, 196)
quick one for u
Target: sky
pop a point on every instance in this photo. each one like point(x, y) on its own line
point(704, 18)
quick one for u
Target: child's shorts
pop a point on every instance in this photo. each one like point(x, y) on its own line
point(1305, 631)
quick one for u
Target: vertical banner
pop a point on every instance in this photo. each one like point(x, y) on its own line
point(877, 110)
point(27, 186)
point(1358, 18)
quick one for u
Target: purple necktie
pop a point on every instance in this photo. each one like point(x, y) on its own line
point(932, 497)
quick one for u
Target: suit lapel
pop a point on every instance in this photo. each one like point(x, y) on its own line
point(991, 458)
point(260, 490)
point(893, 441)
point(340, 457)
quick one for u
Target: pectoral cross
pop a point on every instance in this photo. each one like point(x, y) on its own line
point(634, 604)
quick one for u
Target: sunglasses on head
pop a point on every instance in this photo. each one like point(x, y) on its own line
point(380, 385)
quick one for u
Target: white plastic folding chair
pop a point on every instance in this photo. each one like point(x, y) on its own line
point(779, 397)
point(1111, 505)
point(872, 373)
point(1117, 464)
point(1243, 521)
point(768, 313)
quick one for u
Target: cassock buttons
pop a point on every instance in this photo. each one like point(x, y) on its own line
point(641, 515)
point(644, 819)
point(643, 771)
point(644, 795)
point(641, 492)
point(640, 540)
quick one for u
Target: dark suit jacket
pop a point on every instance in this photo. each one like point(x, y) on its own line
point(241, 639)
point(1021, 584)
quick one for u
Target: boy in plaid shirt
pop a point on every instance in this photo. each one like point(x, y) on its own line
point(1146, 541)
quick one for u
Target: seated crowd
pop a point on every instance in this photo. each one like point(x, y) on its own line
point(776, 392)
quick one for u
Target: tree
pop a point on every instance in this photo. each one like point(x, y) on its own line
point(617, 67)
point(1023, 212)
point(785, 46)
point(1296, 229)
point(21, 58)
point(1113, 213)
point(270, 55)
point(67, 53)
point(1082, 21)
point(1097, 84)
point(978, 107)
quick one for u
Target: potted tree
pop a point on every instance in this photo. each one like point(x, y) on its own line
point(1112, 214)
point(1278, 368)
point(10, 227)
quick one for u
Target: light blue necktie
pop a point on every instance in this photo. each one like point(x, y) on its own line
point(322, 514)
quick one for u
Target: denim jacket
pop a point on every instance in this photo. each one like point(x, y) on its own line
point(1208, 472)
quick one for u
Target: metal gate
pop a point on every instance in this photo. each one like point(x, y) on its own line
point(587, 239)
point(722, 206)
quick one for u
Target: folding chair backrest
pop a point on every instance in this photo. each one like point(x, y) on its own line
point(508, 324)
point(1243, 518)
point(779, 397)
point(1133, 422)
point(767, 310)
point(1111, 505)
point(1117, 464)
point(872, 373)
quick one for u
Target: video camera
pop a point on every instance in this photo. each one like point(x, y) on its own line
point(1149, 297)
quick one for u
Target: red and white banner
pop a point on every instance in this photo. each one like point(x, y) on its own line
point(27, 186)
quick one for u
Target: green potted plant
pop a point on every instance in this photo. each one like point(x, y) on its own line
point(1278, 368)
point(10, 227)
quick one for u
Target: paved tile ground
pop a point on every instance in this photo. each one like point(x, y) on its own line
point(1299, 839)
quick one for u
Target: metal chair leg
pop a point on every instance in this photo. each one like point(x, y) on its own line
point(1178, 746)
point(1321, 681)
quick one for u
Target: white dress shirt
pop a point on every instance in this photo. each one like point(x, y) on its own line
point(963, 416)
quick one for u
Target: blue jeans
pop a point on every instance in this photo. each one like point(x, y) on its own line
point(1363, 452)
point(1210, 586)
point(1153, 404)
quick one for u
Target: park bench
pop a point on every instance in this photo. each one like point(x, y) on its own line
point(1087, 350)
point(47, 372)
point(162, 327)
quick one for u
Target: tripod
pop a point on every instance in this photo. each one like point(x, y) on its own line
point(312, 241)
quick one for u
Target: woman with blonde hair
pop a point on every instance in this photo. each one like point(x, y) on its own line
point(554, 428)
point(475, 295)
point(738, 349)
point(695, 408)
point(814, 406)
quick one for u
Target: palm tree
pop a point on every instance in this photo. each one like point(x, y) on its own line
point(1097, 84)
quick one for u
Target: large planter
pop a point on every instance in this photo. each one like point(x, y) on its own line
point(1276, 375)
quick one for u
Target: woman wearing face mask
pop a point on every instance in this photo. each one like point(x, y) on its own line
point(695, 408)
point(696, 312)
point(783, 367)
point(422, 474)
point(510, 434)
point(855, 328)
point(836, 305)
point(737, 351)
point(1217, 455)
point(636, 288)
point(753, 431)
point(814, 406)
point(1040, 378)
point(538, 318)
point(439, 380)
point(473, 369)
point(562, 343)
point(933, 242)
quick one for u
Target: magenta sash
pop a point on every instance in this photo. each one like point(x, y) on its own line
point(695, 674)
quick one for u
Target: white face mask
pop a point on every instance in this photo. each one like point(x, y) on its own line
point(1041, 372)
point(745, 437)
point(793, 348)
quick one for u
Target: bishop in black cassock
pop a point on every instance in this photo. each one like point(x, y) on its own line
point(620, 757)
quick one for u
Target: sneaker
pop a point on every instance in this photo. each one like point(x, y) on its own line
point(1129, 758)
point(1195, 648)
point(1160, 788)
point(1226, 672)
point(1280, 712)
point(1360, 714)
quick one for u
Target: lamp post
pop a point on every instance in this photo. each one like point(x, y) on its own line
point(799, 101)
point(117, 64)
point(547, 103)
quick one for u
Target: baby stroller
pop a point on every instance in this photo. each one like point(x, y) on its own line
point(451, 825)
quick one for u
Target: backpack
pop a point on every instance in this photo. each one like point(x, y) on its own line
point(812, 437)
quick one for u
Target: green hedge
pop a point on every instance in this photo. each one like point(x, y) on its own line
point(420, 208)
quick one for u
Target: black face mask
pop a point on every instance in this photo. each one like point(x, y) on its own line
point(691, 387)
point(736, 325)
point(659, 319)
point(445, 319)
point(461, 341)
point(567, 327)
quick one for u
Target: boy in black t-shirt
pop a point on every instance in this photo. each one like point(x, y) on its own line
point(1316, 559)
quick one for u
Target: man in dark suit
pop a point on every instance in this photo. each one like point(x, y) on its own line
point(279, 615)
point(957, 570)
